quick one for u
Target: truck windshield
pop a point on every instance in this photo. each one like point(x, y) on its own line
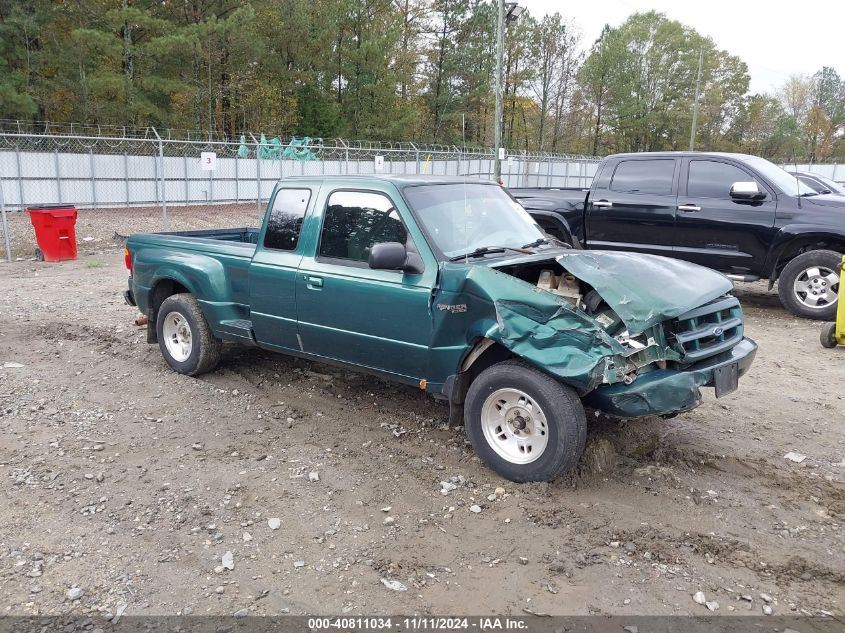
point(461, 218)
point(780, 178)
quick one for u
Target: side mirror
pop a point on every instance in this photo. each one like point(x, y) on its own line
point(747, 190)
point(394, 256)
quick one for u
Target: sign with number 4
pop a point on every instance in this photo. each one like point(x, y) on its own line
point(208, 161)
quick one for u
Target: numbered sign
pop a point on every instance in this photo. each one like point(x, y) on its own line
point(379, 164)
point(208, 161)
point(501, 153)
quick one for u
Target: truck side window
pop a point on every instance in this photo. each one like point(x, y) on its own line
point(644, 176)
point(710, 179)
point(354, 221)
point(285, 219)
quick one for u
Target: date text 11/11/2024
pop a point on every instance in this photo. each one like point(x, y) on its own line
point(417, 623)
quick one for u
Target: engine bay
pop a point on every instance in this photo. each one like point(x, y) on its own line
point(643, 352)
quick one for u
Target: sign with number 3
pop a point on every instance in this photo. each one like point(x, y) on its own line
point(208, 161)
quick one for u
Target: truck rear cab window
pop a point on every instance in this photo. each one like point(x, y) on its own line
point(285, 221)
point(712, 179)
point(354, 221)
point(644, 176)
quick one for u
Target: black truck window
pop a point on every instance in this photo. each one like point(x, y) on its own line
point(354, 221)
point(644, 176)
point(285, 221)
point(711, 179)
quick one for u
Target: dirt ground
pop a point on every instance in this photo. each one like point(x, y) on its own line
point(123, 485)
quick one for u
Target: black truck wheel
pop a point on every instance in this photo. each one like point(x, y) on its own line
point(184, 336)
point(523, 423)
point(809, 285)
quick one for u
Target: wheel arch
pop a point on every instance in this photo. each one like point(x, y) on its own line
point(163, 288)
point(483, 353)
point(793, 246)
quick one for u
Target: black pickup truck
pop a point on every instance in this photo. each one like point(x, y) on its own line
point(735, 213)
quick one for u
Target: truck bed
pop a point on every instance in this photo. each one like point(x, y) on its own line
point(234, 242)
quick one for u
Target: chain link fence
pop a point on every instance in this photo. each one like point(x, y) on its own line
point(125, 180)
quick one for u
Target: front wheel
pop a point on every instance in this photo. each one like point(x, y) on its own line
point(809, 285)
point(184, 336)
point(524, 424)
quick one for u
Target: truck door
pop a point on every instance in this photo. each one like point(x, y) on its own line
point(715, 230)
point(633, 207)
point(272, 274)
point(375, 318)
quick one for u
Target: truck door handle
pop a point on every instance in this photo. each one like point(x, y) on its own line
point(602, 204)
point(312, 281)
point(690, 208)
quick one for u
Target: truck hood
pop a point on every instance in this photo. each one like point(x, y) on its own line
point(825, 200)
point(643, 290)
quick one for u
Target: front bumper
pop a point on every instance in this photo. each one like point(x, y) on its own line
point(665, 391)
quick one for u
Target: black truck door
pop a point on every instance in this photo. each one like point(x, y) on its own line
point(632, 208)
point(715, 230)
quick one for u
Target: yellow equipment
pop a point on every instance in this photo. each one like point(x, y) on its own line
point(834, 333)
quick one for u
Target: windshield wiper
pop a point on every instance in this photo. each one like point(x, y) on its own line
point(538, 242)
point(486, 250)
point(809, 194)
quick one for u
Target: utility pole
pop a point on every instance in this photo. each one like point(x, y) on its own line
point(500, 53)
point(504, 18)
point(695, 104)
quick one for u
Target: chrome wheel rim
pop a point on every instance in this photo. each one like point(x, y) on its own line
point(817, 287)
point(178, 338)
point(514, 426)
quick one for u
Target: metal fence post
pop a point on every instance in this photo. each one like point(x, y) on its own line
point(20, 177)
point(58, 175)
point(163, 198)
point(5, 224)
point(211, 185)
point(237, 191)
point(126, 175)
point(257, 175)
point(185, 174)
point(93, 180)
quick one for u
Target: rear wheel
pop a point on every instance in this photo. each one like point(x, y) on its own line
point(809, 285)
point(524, 424)
point(184, 336)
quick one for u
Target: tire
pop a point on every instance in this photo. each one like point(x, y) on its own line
point(811, 272)
point(828, 335)
point(555, 425)
point(184, 336)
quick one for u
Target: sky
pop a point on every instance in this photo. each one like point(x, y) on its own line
point(775, 38)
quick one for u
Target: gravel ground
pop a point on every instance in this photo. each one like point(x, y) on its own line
point(276, 485)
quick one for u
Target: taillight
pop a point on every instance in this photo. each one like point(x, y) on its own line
point(127, 258)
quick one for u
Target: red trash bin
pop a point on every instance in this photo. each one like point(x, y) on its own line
point(55, 231)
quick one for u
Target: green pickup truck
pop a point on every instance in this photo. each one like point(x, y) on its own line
point(450, 286)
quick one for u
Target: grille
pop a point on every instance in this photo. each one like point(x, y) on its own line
point(710, 329)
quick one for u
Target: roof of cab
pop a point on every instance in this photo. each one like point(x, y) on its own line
point(682, 154)
point(400, 180)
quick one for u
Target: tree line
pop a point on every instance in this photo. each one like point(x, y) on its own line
point(400, 70)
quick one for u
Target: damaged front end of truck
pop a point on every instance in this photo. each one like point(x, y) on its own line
point(634, 335)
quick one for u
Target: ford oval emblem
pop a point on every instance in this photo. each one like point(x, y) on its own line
point(717, 331)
